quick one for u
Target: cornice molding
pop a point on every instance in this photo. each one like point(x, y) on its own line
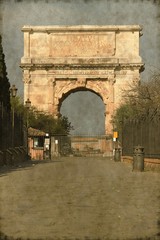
point(81, 28)
point(77, 61)
point(110, 66)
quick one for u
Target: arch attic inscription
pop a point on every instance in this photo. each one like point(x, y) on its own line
point(60, 59)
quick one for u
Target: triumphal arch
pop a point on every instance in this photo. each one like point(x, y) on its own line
point(59, 60)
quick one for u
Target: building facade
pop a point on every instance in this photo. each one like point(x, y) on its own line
point(59, 60)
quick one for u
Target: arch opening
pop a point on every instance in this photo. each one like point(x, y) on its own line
point(75, 90)
point(85, 109)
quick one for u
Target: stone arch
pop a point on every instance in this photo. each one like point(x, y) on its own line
point(60, 96)
point(73, 90)
point(103, 88)
point(85, 110)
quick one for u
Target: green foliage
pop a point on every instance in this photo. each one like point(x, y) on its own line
point(49, 124)
point(4, 82)
point(17, 104)
point(40, 120)
point(125, 111)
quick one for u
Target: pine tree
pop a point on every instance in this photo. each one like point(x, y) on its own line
point(4, 82)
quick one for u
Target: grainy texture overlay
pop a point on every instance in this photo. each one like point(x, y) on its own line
point(79, 198)
point(17, 13)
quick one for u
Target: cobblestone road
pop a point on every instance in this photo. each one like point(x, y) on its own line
point(80, 198)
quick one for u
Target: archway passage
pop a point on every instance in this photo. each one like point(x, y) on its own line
point(85, 110)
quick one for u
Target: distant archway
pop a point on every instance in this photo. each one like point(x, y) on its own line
point(75, 90)
point(85, 110)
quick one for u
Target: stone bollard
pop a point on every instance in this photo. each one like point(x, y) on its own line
point(117, 155)
point(138, 159)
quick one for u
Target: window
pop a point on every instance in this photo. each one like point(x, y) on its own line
point(38, 142)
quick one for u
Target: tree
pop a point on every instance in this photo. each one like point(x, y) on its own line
point(124, 111)
point(40, 120)
point(141, 99)
point(4, 82)
point(48, 123)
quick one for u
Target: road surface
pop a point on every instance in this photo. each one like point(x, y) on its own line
point(80, 198)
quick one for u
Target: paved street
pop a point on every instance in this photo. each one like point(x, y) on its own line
point(79, 198)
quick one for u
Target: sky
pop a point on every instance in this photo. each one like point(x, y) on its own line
point(17, 13)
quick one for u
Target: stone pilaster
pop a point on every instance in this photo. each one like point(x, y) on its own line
point(109, 109)
point(27, 81)
point(51, 92)
point(26, 44)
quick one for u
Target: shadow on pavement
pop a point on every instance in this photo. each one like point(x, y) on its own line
point(5, 237)
point(24, 166)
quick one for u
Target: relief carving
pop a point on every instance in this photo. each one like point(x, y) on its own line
point(82, 82)
point(26, 78)
point(112, 80)
point(62, 87)
point(54, 82)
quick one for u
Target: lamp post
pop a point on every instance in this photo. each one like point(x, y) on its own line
point(27, 105)
point(13, 92)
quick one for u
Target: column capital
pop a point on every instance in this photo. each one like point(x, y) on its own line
point(27, 78)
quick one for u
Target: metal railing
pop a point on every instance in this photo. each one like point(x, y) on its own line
point(10, 136)
point(144, 132)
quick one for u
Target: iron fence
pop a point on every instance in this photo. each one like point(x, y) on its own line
point(10, 135)
point(144, 132)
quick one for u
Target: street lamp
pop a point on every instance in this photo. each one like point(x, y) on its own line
point(27, 105)
point(13, 92)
